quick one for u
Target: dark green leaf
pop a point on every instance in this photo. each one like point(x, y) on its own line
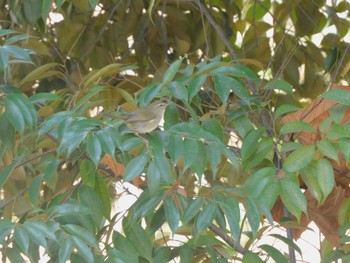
point(83, 249)
point(250, 142)
point(171, 71)
point(102, 190)
point(87, 172)
point(253, 215)
point(172, 213)
point(190, 152)
point(65, 250)
point(133, 231)
point(186, 254)
point(279, 84)
point(175, 147)
point(135, 167)
point(285, 108)
point(68, 209)
point(232, 212)
point(94, 148)
point(195, 84)
point(288, 241)
point(214, 127)
point(153, 177)
point(81, 233)
point(14, 113)
point(192, 209)
point(274, 253)
point(178, 90)
point(206, 216)
point(6, 227)
point(21, 239)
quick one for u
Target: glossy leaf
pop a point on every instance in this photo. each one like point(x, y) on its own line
point(171, 71)
point(328, 149)
point(251, 257)
point(94, 148)
point(253, 215)
point(250, 142)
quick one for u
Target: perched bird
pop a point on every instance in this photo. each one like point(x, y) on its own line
point(143, 120)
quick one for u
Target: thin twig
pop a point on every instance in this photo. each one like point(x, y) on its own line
point(6, 202)
point(216, 27)
point(290, 236)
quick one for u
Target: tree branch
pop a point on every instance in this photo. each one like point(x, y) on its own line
point(234, 244)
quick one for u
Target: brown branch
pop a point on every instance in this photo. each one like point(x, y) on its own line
point(234, 244)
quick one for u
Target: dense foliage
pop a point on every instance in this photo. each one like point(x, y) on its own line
point(231, 161)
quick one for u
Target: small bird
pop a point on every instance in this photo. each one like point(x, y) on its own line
point(143, 120)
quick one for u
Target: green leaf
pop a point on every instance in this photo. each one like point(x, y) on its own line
point(251, 257)
point(13, 255)
point(206, 216)
point(175, 147)
point(172, 70)
point(289, 242)
point(178, 90)
point(125, 245)
point(135, 167)
point(38, 232)
point(253, 215)
point(297, 126)
point(292, 197)
point(44, 97)
point(190, 152)
point(338, 95)
point(186, 254)
point(87, 172)
point(162, 254)
point(279, 84)
point(299, 158)
point(6, 227)
point(34, 189)
point(328, 149)
point(264, 151)
point(223, 86)
point(250, 142)
point(14, 113)
point(309, 175)
point(325, 176)
point(94, 148)
point(274, 253)
point(232, 213)
point(81, 233)
point(195, 85)
point(259, 181)
point(213, 156)
point(149, 93)
point(93, 4)
point(192, 209)
point(106, 139)
point(133, 231)
point(83, 249)
point(344, 147)
point(285, 108)
point(45, 8)
point(153, 177)
point(214, 127)
point(102, 189)
point(172, 213)
point(65, 250)
point(68, 209)
point(22, 239)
